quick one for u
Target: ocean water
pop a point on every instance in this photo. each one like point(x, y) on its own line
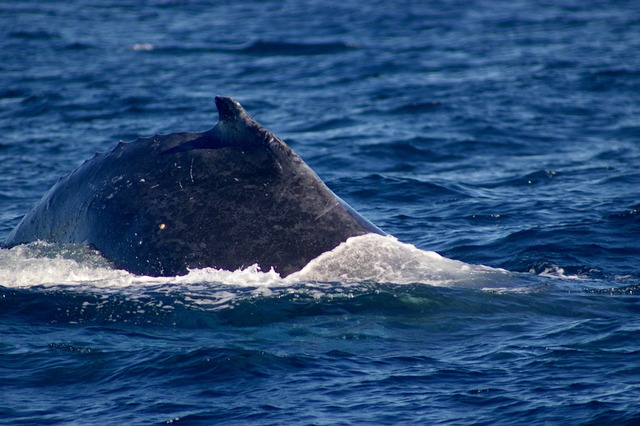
point(497, 142)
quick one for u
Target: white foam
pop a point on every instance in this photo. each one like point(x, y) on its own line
point(368, 258)
point(384, 259)
point(556, 272)
point(146, 47)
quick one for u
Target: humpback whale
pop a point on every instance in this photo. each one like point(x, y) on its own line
point(230, 197)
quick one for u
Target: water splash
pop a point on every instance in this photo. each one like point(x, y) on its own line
point(369, 258)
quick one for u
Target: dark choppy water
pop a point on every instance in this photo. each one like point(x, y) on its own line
point(496, 133)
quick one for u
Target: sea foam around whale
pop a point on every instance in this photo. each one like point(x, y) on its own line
point(369, 258)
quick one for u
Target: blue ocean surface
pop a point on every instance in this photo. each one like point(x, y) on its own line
point(496, 142)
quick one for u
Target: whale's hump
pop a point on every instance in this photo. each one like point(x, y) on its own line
point(227, 198)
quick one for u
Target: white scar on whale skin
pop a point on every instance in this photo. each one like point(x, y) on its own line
point(326, 211)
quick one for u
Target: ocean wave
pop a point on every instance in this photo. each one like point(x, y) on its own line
point(33, 35)
point(255, 48)
point(73, 284)
point(267, 48)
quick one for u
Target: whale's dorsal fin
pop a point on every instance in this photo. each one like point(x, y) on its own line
point(235, 128)
point(230, 111)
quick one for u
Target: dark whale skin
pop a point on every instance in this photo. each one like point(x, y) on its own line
point(228, 198)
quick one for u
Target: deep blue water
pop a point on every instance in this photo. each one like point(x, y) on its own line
point(497, 133)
